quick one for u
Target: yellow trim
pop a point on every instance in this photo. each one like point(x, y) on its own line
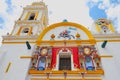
point(8, 67)
point(44, 21)
point(28, 22)
point(36, 15)
point(17, 42)
point(66, 79)
point(98, 72)
point(18, 33)
point(65, 24)
point(28, 14)
point(34, 9)
point(20, 38)
point(23, 57)
point(110, 36)
point(108, 40)
point(36, 72)
point(106, 56)
point(30, 31)
point(98, 28)
point(52, 42)
point(112, 28)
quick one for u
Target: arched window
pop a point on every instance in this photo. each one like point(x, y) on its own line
point(25, 30)
point(64, 61)
point(32, 16)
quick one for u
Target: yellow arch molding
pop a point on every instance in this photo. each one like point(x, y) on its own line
point(65, 24)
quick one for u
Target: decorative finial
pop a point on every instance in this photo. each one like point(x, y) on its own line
point(52, 37)
point(78, 35)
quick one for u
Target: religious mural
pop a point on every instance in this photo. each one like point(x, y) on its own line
point(65, 33)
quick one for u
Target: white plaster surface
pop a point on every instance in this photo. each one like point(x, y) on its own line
point(111, 66)
point(19, 67)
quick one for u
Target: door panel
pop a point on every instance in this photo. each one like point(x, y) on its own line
point(65, 64)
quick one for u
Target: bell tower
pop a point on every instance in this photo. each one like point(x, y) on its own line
point(32, 21)
point(104, 26)
point(21, 41)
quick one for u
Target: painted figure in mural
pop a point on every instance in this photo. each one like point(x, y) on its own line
point(66, 34)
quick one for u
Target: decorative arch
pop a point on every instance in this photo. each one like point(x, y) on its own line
point(65, 24)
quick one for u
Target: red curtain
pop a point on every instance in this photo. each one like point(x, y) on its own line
point(75, 57)
point(54, 57)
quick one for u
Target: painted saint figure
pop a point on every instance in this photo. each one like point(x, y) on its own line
point(66, 34)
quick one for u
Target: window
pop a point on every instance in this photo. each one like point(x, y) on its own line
point(25, 30)
point(32, 16)
point(64, 61)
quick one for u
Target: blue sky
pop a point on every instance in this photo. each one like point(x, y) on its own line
point(83, 12)
point(9, 9)
point(95, 12)
point(1, 22)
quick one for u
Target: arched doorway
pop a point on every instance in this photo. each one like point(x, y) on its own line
point(64, 60)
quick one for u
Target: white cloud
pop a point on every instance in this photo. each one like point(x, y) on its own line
point(113, 12)
point(73, 10)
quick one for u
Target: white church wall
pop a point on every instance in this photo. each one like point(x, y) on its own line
point(19, 67)
point(24, 15)
point(16, 29)
point(36, 29)
point(111, 66)
point(39, 15)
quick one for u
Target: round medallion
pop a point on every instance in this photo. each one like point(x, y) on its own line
point(87, 51)
point(43, 51)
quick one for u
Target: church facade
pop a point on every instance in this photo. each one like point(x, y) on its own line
point(65, 50)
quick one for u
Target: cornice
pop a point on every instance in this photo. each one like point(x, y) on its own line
point(106, 35)
point(28, 22)
point(8, 37)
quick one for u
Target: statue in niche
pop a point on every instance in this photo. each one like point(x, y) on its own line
point(105, 29)
point(34, 60)
point(97, 60)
